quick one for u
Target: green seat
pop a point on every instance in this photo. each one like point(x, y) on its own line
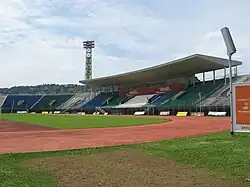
point(114, 101)
point(51, 102)
point(192, 93)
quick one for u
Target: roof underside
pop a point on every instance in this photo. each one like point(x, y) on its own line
point(187, 66)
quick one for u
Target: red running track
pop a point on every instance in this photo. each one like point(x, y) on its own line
point(48, 140)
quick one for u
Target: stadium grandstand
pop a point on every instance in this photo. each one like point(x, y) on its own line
point(169, 85)
point(221, 96)
point(33, 102)
point(173, 85)
point(50, 102)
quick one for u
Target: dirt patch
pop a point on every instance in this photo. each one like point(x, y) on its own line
point(13, 126)
point(124, 168)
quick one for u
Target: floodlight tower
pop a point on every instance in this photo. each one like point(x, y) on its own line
point(88, 45)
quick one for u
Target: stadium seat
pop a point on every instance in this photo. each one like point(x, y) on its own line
point(20, 102)
point(114, 101)
point(51, 102)
point(137, 101)
point(87, 97)
point(97, 101)
point(191, 95)
point(221, 96)
point(2, 98)
point(77, 99)
point(161, 98)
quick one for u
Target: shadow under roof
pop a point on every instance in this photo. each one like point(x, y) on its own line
point(182, 67)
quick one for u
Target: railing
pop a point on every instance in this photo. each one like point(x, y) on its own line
point(100, 110)
point(37, 102)
point(210, 93)
point(178, 95)
point(126, 99)
point(86, 100)
point(5, 97)
point(66, 103)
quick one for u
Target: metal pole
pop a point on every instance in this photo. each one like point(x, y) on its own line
point(13, 102)
point(0, 113)
point(230, 51)
point(231, 95)
point(225, 75)
point(200, 101)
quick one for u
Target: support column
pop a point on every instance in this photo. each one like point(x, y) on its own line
point(194, 81)
point(214, 76)
point(203, 74)
point(225, 75)
point(236, 71)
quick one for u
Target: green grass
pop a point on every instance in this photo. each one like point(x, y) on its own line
point(13, 174)
point(75, 122)
point(220, 153)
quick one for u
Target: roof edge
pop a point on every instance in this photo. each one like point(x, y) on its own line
point(206, 57)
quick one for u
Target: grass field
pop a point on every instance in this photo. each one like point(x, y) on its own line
point(215, 160)
point(74, 122)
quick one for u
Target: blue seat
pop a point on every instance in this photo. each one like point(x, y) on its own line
point(163, 97)
point(97, 101)
point(20, 102)
point(50, 102)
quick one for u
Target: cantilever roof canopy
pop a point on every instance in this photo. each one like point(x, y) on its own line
point(186, 66)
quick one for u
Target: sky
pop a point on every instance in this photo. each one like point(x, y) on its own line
point(41, 40)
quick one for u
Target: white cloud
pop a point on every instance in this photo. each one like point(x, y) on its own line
point(40, 40)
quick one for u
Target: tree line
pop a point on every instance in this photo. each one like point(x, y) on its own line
point(44, 89)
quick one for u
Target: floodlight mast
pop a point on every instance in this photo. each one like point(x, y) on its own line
point(88, 45)
point(230, 51)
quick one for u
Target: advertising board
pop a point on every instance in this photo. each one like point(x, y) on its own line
point(241, 107)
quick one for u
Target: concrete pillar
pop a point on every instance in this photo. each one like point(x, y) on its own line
point(236, 71)
point(214, 76)
point(194, 81)
point(225, 75)
point(203, 75)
